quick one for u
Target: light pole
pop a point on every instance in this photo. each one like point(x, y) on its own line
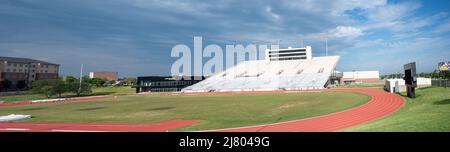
point(81, 79)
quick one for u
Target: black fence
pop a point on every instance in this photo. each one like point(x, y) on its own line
point(440, 83)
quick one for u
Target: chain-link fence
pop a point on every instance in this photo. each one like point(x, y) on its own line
point(440, 83)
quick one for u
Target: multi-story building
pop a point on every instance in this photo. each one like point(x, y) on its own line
point(110, 76)
point(28, 70)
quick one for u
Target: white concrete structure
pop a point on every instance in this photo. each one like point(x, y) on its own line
point(361, 75)
point(391, 83)
point(369, 77)
point(295, 71)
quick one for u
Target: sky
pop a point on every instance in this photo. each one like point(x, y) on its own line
point(135, 37)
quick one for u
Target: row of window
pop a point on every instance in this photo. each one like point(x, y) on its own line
point(165, 89)
point(165, 83)
point(15, 76)
point(25, 70)
point(24, 65)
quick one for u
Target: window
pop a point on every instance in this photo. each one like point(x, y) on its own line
point(14, 70)
point(32, 75)
point(45, 71)
point(34, 66)
point(20, 65)
point(9, 70)
point(9, 64)
point(20, 70)
point(15, 65)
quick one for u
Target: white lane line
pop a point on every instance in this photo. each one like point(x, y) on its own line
point(62, 130)
point(15, 129)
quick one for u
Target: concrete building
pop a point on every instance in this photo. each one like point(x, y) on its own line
point(110, 76)
point(28, 70)
point(392, 83)
point(361, 77)
point(165, 83)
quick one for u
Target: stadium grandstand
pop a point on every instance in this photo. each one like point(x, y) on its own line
point(283, 69)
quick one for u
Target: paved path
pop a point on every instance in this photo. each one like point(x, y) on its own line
point(381, 105)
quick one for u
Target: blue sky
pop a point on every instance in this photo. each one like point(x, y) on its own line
point(135, 37)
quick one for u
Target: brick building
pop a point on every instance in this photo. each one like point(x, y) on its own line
point(25, 69)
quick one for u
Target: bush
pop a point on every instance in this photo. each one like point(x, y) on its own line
point(21, 84)
point(53, 87)
point(5, 84)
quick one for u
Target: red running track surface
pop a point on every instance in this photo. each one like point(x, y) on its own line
point(381, 105)
point(95, 127)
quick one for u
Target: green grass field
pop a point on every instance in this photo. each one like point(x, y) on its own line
point(217, 111)
point(95, 91)
point(430, 111)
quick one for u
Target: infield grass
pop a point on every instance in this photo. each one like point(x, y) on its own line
point(217, 111)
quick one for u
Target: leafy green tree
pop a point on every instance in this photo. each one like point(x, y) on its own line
point(45, 87)
point(97, 82)
point(59, 87)
point(70, 79)
point(75, 88)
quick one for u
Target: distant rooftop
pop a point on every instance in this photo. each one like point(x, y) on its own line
point(23, 60)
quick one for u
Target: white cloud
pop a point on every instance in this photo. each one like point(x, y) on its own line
point(334, 7)
point(271, 13)
point(389, 16)
point(347, 32)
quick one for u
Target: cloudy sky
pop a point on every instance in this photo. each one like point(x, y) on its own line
point(135, 37)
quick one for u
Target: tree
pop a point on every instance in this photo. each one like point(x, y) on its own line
point(129, 81)
point(5, 84)
point(21, 84)
point(59, 87)
point(75, 88)
point(70, 79)
point(50, 87)
point(97, 82)
point(45, 87)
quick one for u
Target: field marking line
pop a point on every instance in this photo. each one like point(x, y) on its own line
point(15, 129)
point(63, 130)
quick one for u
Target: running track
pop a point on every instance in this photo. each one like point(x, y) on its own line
point(381, 105)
